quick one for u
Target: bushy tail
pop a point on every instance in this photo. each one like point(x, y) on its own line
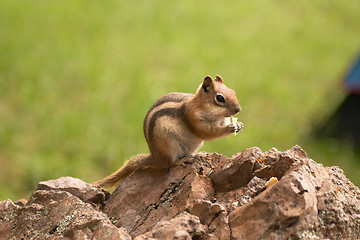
point(137, 162)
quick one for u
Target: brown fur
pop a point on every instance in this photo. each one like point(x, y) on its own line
point(178, 123)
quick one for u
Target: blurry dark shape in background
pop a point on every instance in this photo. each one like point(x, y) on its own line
point(344, 123)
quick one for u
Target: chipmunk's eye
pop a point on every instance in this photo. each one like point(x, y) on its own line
point(220, 98)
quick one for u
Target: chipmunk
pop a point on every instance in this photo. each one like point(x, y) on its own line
point(178, 123)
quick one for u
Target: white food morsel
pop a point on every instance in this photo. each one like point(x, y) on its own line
point(230, 121)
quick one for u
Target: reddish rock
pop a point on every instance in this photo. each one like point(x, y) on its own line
point(286, 208)
point(183, 226)
point(209, 197)
point(239, 197)
point(276, 164)
point(338, 207)
point(235, 172)
point(304, 204)
point(85, 191)
point(8, 214)
point(147, 197)
point(55, 214)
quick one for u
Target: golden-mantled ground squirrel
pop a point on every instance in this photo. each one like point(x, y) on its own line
point(178, 123)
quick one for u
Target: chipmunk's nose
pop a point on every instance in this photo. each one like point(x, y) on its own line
point(237, 109)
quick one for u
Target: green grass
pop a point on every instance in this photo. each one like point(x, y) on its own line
point(77, 78)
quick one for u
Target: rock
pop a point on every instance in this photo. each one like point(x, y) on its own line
point(338, 207)
point(55, 214)
point(239, 197)
point(284, 209)
point(235, 173)
point(212, 215)
point(276, 164)
point(295, 207)
point(147, 197)
point(183, 226)
point(210, 197)
point(8, 214)
point(85, 191)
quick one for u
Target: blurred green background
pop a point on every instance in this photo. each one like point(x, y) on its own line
point(77, 78)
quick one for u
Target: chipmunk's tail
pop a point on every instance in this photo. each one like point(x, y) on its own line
point(137, 162)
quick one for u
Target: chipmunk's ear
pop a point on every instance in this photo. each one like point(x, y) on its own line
point(218, 78)
point(207, 84)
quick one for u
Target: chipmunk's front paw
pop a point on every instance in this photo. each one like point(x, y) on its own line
point(239, 126)
point(232, 128)
point(235, 127)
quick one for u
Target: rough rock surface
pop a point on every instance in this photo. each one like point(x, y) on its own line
point(212, 197)
point(57, 213)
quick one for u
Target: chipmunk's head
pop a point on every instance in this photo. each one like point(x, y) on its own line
point(216, 98)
